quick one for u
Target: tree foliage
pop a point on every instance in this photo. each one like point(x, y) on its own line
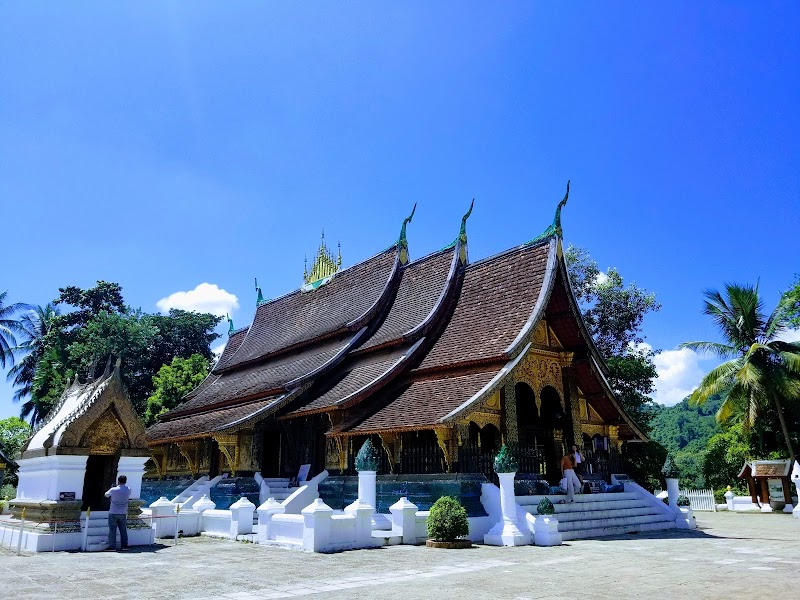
point(95, 325)
point(173, 382)
point(447, 520)
point(725, 455)
point(791, 302)
point(761, 370)
point(9, 326)
point(614, 313)
point(13, 433)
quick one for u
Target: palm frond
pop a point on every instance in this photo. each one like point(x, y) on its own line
point(721, 350)
point(716, 381)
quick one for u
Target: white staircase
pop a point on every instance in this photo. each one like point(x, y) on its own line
point(279, 487)
point(97, 538)
point(597, 515)
point(196, 490)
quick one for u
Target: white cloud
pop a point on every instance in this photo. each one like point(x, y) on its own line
point(205, 298)
point(679, 373)
point(600, 279)
point(218, 349)
point(790, 335)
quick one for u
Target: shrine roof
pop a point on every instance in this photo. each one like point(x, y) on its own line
point(355, 375)
point(347, 300)
point(421, 404)
point(234, 341)
point(496, 302)
point(267, 378)
point(202, 424)
point(422, 285)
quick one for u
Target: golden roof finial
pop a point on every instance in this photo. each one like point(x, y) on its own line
point(325, 264)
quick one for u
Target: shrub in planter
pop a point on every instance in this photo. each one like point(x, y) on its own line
point(447, 520)
point(505, 461)
point(367, 458)
point(683, 501)
point(670, 469)
point(545, 507)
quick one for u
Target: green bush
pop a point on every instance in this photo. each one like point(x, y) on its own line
point(545, 507)
point(669, 470)
point(683, 501)
point(447, 520)
point(505, 461)
point(7, 492)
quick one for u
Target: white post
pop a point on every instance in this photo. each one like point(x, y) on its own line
point(363, 534)
point(729, 498)
point(506, 532)
point(177, 518)
point(21, 529)
point(796, 480)
point(673, 492)
point(404, 519)
point(317, 526)
point(242, 517)
point(162, 526)
point(266, 511)
point(85, 542)
point(366, 488)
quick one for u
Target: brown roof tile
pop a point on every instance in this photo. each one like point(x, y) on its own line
point(420, 287)
point(234, 341)
point(302, 316)
point(204, 423)
point(424, 403)
point(497, 298)
point(264, 378)
point(353, 376)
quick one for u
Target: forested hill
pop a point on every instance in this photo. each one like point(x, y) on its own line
point(684, 430)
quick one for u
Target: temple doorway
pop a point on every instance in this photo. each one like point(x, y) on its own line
point(101, 471)
point(271, 453)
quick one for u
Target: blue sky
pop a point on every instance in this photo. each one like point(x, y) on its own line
point(167, 145)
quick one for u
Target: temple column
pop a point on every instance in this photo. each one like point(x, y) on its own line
point(573, 432)
point(510, 412)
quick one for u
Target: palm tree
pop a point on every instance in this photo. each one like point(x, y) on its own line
point(8, 327)
point(760, 369)
point(35, 326)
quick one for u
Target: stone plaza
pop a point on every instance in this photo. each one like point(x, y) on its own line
point(731, 555)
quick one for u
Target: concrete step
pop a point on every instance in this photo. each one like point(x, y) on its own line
point(579, 498)
point(616, 530)
point(387, 538)
point(565, 517)
point(632, 522)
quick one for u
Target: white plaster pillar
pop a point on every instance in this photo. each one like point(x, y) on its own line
point(266, 511)
point(729, 499)
point(242, 517)
point(366, 488)
point(363, 515)
point(45, 477)
point(673, 492)
point(133, 468)
point(163, 525)
point(506, 532)
point(404, 519)
point(317, 526)
point(545, 531)
point(796, 480)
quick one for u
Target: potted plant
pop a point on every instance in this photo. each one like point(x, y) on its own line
point(448, 525)
point(545, 525)
point(670, 473)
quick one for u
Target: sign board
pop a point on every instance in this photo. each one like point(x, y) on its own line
point(66, 496)
point(302, 474)
point(775, 489)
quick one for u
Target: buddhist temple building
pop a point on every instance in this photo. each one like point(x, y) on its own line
point(439, 360)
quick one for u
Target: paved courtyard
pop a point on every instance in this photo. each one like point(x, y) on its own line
point(729, 556)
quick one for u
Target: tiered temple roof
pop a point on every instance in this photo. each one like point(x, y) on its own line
point(389, 344)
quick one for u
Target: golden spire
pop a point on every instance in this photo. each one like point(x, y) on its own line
point(325, 264)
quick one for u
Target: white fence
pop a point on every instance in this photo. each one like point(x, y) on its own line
point(698, 499)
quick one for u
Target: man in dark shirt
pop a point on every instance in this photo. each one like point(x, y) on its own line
point(118, 514)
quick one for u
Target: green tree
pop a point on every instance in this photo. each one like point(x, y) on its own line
point(35, 329)
point(614, 313)
point(761, 370)
point(8, 327)
point(13, 433)
point(791, 300)
point(173, 382)
point(87, 303)
point(725, 455)
point(51, 379)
